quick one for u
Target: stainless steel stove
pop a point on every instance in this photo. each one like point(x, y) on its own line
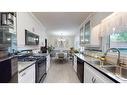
point(40, 66)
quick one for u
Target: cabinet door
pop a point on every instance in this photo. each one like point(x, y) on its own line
point(100, 78)
point(75, 64)
point(95, 36)
point(28, 75)
point(48, 63)
point(87, 33)
point(91, 75)
point(88, 74)
point(81, 36)
point(14, 66)
point(80, 69)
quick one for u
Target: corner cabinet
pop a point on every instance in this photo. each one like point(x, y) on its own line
point(91, 75)
point(28, 75)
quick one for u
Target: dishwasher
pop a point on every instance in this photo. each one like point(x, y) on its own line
point(80, 70)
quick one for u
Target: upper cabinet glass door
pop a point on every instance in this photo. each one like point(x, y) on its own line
point(81, 36)
point(87, 33)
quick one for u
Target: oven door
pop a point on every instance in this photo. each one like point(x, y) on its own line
point(40, 70)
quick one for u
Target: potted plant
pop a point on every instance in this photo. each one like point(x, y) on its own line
point(50, 48)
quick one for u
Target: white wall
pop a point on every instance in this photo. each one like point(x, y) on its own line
point(77, 41)
point(28, 21)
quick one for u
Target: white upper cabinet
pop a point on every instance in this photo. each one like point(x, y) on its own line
point(85, 33)
point(95, 36)
point(92, 29)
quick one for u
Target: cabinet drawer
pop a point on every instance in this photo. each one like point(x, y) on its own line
point(28, 75)
point(91, 75)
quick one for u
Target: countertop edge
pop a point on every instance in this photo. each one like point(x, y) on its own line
point(100, 69)
point(7, 58)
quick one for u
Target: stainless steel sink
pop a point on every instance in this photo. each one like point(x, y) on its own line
point(100, 63)
point(121, 72)
point(113, 69)
point(96, 62)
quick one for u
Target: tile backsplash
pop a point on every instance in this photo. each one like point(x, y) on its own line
point(110, 58)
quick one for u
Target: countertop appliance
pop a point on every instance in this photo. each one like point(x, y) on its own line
point(80, 70)
point(44, 49)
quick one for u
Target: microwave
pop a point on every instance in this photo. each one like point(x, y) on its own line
point(31, 38)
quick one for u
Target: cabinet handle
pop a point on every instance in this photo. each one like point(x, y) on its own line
point(23, 74)
point(93, 80)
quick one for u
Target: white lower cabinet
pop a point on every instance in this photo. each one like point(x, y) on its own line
point(48, 62)
point(91, 75)
point(28, 75)
point(75, 64)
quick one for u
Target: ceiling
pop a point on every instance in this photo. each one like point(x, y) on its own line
point(61, 23)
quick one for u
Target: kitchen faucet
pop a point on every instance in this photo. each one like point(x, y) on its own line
point(118, 59)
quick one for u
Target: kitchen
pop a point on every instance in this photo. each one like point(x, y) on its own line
point(63, 47)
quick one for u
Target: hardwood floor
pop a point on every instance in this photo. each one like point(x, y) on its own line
point(61, 72)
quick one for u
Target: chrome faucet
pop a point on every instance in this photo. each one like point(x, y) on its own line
point(118, 59)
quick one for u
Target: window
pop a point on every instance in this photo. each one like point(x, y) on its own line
point(119, 40)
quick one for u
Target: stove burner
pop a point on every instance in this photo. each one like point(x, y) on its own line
point(31, 58)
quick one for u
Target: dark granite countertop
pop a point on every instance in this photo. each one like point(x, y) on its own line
point(6, 58)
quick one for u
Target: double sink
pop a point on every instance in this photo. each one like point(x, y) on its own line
point(119, 71)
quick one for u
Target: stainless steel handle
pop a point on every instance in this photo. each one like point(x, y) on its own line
point(93, 80)
point(23, 74)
